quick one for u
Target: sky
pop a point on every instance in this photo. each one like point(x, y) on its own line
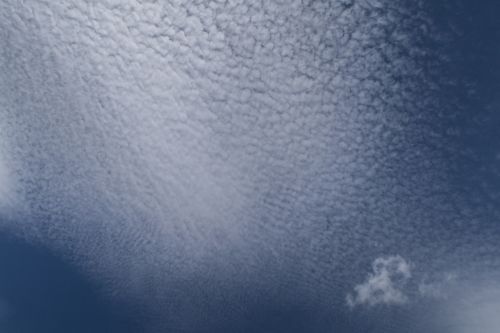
point(232, 166)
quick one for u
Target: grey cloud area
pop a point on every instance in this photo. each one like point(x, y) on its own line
point(249, 157)
point(439, 287)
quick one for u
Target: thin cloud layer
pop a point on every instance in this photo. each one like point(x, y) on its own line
point(383, 286)
point(437, 288)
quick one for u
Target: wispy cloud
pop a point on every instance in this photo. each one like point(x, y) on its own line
point(384, 285)
point(438, 287)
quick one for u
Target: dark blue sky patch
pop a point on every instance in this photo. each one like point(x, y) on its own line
point(39, 292)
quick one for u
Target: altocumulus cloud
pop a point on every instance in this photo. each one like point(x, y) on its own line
point(384, 285)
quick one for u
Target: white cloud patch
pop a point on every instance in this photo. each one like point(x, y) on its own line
point(384, 285)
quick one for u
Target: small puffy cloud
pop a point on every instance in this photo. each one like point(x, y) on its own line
point(383, 286)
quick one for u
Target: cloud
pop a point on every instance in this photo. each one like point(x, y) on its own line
point(475, 308)
point(383, 286)
point(438, 288)
point(8, 197)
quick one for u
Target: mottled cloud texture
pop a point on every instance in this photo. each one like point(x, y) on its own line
point(224, 161)
point(384, 285)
